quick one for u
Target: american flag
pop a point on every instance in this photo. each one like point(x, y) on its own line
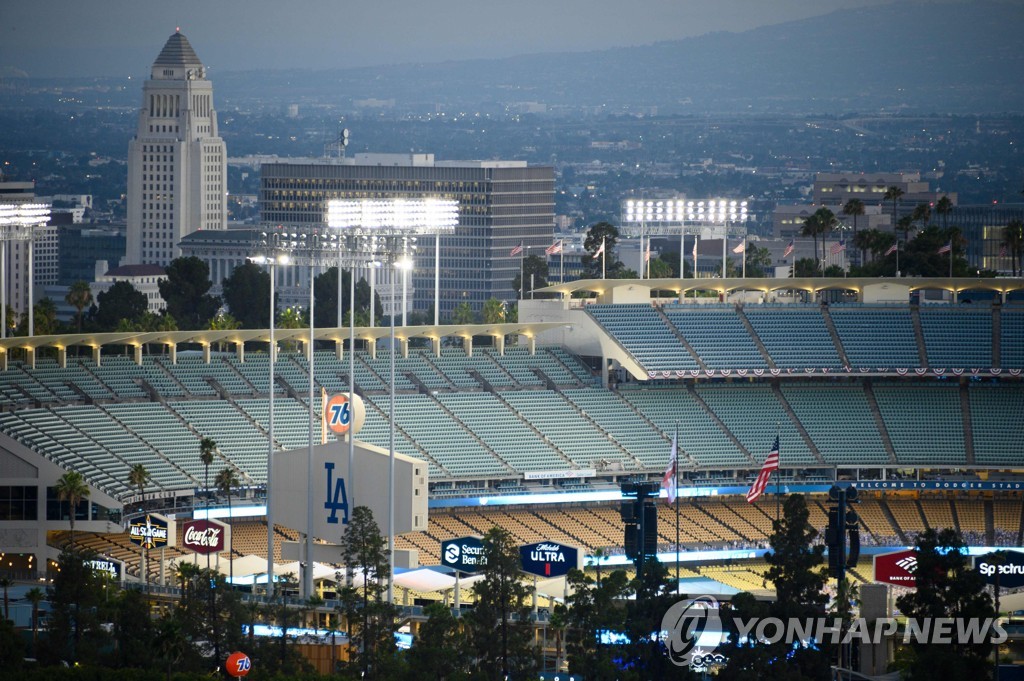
point(600, 250)
point(647, 253)
point(517, 250)
point(892, 249)
point(771, 464)
point(554, 248)
point(946, 248)
point(668, 481)
point(740, 248)
point(695, 247)
point(789, 250)
point(838, 248)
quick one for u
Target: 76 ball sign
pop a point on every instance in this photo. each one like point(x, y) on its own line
point(342, 416)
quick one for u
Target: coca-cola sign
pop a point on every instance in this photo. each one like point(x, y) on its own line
point(203, 536)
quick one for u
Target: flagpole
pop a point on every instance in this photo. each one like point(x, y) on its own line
point(604, 257)
point(778, 472)
point(522, 274)
point(561, 262)
point(743, 254)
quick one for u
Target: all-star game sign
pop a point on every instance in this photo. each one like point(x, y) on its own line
point(152, 531)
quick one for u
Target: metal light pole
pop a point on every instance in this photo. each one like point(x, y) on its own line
point(307, 577)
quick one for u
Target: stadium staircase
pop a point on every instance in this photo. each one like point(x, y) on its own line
point(997, 335)
point(965, 411)
point(757, 340)
point(876, 413)
point(956, 516)
point(924, 516)
point(169, 375)
point(370, 404)
point(456, 420)
point(990, 524)
point(562, 455)
point(887, 512)
point(626, 454)
point(728, 433)
point(922, 349)
point(796, 422)
point(682, 339)
point(836, 340)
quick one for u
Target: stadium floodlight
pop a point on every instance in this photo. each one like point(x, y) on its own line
point(17, 223)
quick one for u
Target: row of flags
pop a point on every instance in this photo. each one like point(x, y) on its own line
point(669, 481)
point(836, 249)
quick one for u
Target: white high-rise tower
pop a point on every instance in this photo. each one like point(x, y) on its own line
point(177, 164)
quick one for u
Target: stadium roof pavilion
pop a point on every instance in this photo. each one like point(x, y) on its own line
point(238, 337)
point(957, 285)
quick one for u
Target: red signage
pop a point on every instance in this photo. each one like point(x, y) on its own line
point(898, 567)
point(203, 536)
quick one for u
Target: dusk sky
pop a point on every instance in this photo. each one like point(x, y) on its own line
point(123, 37)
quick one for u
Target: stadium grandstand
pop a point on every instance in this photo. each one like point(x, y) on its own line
point(533, 426)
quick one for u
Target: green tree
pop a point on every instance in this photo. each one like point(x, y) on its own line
point(659, 269)
point(463, 314)
point(226, 481)
point(138, 476)
point(493, 311)
point(601, 233)
point(795, 566)
point(121, 301)
point(947, 586)
point(12, 652)
point(79, 296)
point(134, 629)
point(78, 611)
point(854, 208)
point(595, 608)
point(171, 643)
point(944, 207)
point(35, 596)
point(372, 620)
point(498, 628)
point(813, 228)
point(1013, 240)
point(535, 274)
point(893, 194)
point(44, 318)
point(186, 292)
point(247, 295)
point(759, 261)
point(439, 651)
point(922, 214)
point(71, 487)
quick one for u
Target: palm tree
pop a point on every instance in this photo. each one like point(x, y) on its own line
point(827, 222)
point(226, 482)
point(71, 488)
point(944, 207)
point(138, 476)
point(893, 194)
point(207, 447)
point(812, 228)
point(171, 643)
point(1013, 239)
point(79, 296)
point(923, 214)
point(35, 596)
point(855, 208)
point(5, 584)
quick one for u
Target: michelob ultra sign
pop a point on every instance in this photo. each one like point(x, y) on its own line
point(151, 531)
point(548, 559)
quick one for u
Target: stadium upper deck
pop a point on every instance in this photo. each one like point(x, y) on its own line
point(949, 398)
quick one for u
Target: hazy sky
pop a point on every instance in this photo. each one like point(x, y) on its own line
point(123, 37)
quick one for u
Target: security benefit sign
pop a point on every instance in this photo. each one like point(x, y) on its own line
point(898, 567)
point(465, 554)
point(1005, 568)
point(204, 536)
point(548, 559)
point(151, 531)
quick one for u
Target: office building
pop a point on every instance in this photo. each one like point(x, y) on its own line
point(177, 163)
point(502, 205)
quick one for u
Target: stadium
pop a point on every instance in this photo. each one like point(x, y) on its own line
point(909, 389)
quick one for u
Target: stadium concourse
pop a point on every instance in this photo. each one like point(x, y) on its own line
point(533, 426)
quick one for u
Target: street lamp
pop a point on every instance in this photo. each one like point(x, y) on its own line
point(276, 246)
point(391, 226)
